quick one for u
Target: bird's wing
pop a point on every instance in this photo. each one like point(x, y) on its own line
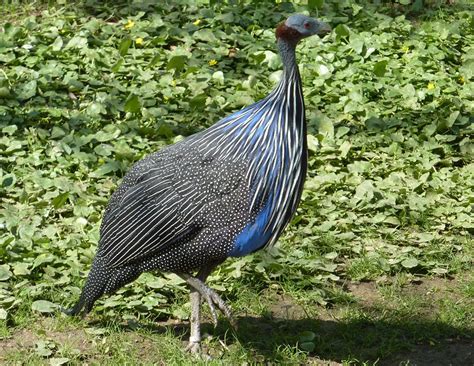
point(163, 200)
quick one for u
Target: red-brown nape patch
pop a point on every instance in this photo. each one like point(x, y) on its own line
point(287, 33)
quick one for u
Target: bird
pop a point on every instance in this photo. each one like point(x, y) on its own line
point(226, 191)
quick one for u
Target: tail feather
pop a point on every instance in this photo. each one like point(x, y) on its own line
point(93, 289)
point(76, 309)
point(101, 280)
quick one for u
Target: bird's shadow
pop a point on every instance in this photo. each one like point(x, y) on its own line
point(337, 340)
point(386, 342)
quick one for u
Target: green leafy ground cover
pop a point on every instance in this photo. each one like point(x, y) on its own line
point(87, 90)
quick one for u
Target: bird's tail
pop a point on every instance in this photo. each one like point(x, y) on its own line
point(93, 289)
point(102, 279)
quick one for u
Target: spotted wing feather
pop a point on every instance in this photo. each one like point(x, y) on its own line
point(169, 197)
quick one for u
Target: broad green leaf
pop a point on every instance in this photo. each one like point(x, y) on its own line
point(307, 336)
point(44, 348)
point(116, 67)
point(177, 62)
point(8, 181)
point(205, 35)
point(307, 346)
point(21, 269)
point(5, 273)
point(124, 46)
point(452, 118)
point(313, 143)
point(60, 200)
point(344, 148)
point(342, 30)
point(132, 104)
point(380, 68)
point(410, 263)
point(4, 91)
point(364, 192)
point(57, 132)
point(105, 169)
point(44, 306)
point(198, 102)
point(57, 361)
point(77, 42)
point(315, 4)
point(10, 130)
point(96, 108)
point(57, 44)
point(156, 284)
point(26, 90)
point(325, 126)
point(42, 259)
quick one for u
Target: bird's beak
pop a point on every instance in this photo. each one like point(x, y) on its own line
point(323, 29)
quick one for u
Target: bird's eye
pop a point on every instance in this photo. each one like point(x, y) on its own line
point(307, 25)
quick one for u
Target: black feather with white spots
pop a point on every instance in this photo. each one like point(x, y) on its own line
point(176, 210)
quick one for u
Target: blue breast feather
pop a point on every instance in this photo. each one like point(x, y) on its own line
point(253, 236)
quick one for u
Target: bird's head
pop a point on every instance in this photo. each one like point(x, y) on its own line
point(300, 26)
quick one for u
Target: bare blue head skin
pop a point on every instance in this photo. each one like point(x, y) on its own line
point(307, 26)
point(290, 32)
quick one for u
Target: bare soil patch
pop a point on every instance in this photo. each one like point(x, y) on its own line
point(456, 354)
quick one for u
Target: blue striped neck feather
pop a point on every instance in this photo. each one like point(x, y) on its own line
point(271, 136)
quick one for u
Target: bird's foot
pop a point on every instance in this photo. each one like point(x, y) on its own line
point(194, 346)
point(212, 298)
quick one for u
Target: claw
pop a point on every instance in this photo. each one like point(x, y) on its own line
point(221, 305)
point(212, 308)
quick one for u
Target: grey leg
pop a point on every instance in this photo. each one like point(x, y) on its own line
point(194, 345)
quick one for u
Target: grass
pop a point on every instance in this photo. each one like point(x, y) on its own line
point(378, 324)
point(375, 269)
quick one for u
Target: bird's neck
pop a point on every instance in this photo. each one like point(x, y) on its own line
point(291, 81)
point(288, 57)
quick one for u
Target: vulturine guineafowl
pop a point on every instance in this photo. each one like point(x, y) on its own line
point(224, 192)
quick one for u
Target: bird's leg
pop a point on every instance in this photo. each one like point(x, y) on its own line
point(194, 345)
point(199, 289)
point(202, 275)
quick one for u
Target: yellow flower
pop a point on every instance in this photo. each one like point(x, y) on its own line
point(213, 62)
point(130, 24)
point(461, 79)
point(139, 41)
point(405, 49)
point(431, 85)
point(197, 22)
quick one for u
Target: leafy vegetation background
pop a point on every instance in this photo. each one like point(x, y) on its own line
point(88, 89)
